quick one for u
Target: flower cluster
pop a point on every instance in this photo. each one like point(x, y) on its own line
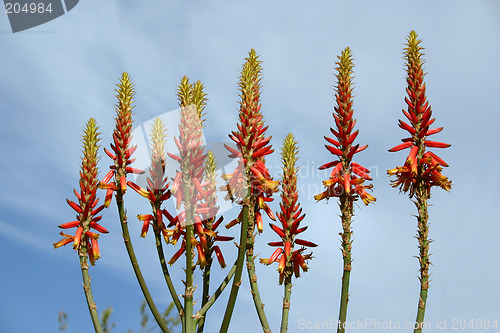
point(121, 151)
point(251, 176)
point(189, 187)
point(290, 216)
point(84, 240)
point(210, 207)
point(157, 185)
point(346, 177)
point(421, 165)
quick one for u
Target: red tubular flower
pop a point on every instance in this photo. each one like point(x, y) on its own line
point(194, 185)
point(346, 177)
point(157, 190)
point(85, 241)
point(252, 145)
point(122, 136)
point(290, 217)
point(420, 166)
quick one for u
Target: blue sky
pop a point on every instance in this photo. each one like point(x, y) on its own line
point(54, 77)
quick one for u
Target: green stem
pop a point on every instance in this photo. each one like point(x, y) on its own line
point(88, 291)
point(217, 293)
point(166, 274)
point(423, 244)
point(206, 289)
point(239, 269)
point(344, 299)
point(346, 209)
point(259, 306)
point(286, 306)
point(188, 297)
point(135, 265)
point(421, 308)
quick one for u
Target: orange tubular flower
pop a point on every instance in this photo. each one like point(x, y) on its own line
point(421, 166)
point(157, 190)
point(85, 241)
point(290, 217)
point(121, 151)
point(252, 145)
point(194, 184)
point(346, 177)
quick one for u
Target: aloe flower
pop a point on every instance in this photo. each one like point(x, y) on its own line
point(208, 210)
point(347, 178)
point(251, 184)
point(157, 190)
point(121, 156)
point(194, 225)
point(121, 153)
point(290, 259)
point(252, 145)
point(422, 168)
point(290, 216)
point(189, 187)
point(85, 240)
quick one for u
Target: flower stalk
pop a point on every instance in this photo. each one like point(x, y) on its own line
point(157, 192)
point(211, 201)
point(290, 261)
point(84, 240)
point(422, 169)
point(347, 178)
point(192, 102)
point(121, 155)
point(250, 184)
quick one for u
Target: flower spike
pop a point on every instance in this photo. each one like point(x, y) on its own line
point(343, 176)
point(419, 113)
point(422, 169)
point(251, 184)
point(290, 215)
point(121, 151)
point(347, 179)
point(87, 199)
